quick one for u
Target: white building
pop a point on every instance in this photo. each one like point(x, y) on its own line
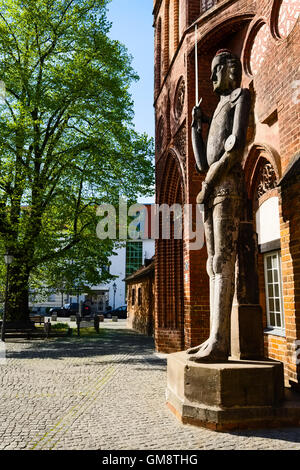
point(127, 260)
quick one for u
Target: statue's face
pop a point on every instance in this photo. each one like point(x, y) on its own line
point(220, 76)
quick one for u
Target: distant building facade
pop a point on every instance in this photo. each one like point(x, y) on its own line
point(266, 36)
point(140, 299)
point(127, 259)
point(97, 299)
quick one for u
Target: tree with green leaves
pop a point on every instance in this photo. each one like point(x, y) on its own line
point(67, 142)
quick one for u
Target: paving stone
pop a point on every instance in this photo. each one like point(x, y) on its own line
point(103, 393)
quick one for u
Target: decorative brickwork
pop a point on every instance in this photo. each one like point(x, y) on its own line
point(287, 17)
point(176, 24)
point(259, 47)
point(160, 135)
point(180, 144)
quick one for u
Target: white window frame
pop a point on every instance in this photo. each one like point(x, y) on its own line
point(267, 284)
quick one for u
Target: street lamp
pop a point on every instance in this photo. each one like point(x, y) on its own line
point(8, 259)
point(115, 290)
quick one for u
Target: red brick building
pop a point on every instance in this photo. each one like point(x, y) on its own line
point(140, 299)
point(265, 35)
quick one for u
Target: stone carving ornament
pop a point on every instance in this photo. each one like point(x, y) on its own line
point(179, 99)
point(180, 144)
point(180, 141)
point(160, 135)
point(267, 180)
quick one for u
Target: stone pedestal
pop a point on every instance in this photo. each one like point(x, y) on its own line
point(247, 340)
point(229, 395)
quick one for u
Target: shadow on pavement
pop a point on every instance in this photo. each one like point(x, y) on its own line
point(109, 342)
point(280, 434)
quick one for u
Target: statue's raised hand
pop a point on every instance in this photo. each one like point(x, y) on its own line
point(197, 116)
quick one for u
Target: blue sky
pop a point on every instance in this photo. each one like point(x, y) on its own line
point(132, 25)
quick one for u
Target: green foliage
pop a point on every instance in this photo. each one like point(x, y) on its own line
point(59, 326)
point(67, 142)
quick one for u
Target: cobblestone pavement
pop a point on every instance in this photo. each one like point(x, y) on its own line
point(105, 392)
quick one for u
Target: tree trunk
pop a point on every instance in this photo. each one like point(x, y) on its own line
point(18, 292)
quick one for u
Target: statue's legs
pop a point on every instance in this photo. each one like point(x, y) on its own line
point(225, 221)
point(209, 239)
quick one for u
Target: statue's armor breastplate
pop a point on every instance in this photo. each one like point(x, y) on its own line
point(220, 130)
point(231, 183)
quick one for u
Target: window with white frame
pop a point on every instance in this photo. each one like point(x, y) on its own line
point(273, 282)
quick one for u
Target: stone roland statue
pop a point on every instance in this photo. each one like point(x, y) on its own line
point(222, 194)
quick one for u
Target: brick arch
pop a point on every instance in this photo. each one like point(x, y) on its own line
point(288, 18)
point(229, 34)
point(172, 175)
point(256, 27)
point(257, 157)
point(169, 308)
point(168, 118)
point(209, 39)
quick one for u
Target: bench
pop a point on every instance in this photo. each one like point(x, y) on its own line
point(37, 318)
point(13, 327)
point(18, 328)
point(96, 323)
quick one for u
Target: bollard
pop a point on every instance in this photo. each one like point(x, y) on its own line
point(78, 320)
point(96, 323)
point(47, 328)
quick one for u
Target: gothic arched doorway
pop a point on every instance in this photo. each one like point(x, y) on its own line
point(169, 328)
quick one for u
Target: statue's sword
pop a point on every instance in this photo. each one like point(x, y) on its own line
point(196, 65)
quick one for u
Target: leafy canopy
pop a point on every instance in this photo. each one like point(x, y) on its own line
point(67, 142)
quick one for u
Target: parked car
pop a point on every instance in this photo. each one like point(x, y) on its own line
point(73, 309)
point(70, 309)
point(39, 310)
point(120, 312)
point(59, 311)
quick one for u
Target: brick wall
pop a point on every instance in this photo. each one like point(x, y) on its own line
point(140, 314)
